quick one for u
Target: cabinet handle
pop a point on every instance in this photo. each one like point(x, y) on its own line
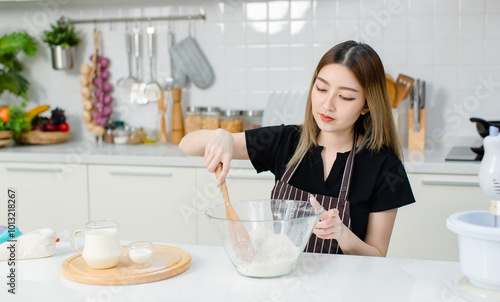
point(138, 173)
point(450, 183)
point(236, 176)
point(43, 170)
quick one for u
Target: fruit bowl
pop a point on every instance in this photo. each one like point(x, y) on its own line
point(5, 137)
point(278, 229)
point(37, 137)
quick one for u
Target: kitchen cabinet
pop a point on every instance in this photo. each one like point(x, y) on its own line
point(242, 184)
point(146, 201)
point(49, 195)
point(420, 230)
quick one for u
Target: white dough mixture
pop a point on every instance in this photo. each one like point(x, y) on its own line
point(274, 255)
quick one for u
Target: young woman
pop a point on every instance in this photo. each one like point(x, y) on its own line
point(346, 156)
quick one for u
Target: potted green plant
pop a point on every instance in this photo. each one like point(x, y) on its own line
point(62, 39)
point(13, 120)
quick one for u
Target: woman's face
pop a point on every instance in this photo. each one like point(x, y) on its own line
point(337, 99)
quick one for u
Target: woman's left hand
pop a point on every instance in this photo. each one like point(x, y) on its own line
point(330, 226)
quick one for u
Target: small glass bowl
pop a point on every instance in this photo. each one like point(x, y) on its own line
point(140, 253)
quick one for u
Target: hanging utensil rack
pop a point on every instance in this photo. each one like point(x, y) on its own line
point(201, 16)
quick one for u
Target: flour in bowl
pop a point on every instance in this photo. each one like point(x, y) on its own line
point(275, 255)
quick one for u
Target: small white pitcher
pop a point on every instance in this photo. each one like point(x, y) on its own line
point(102, 248)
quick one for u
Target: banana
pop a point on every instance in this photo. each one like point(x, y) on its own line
point(36, 111)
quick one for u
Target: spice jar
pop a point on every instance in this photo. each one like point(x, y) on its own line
point(136, 135)
point(150, 136)
point(252, 119)
point(192, 119)
point(120, 134)
point(210, 118)
point(109, 136)
point(231, 121)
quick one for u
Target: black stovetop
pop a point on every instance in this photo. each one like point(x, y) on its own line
point(462, 153)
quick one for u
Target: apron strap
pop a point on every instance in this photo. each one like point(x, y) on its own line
point(346, 178)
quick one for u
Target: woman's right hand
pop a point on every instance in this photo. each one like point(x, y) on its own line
point(219, 149)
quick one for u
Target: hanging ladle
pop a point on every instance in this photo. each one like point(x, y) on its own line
point(128, 81)
point(240, 240)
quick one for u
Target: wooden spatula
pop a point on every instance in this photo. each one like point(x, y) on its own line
point(404, 85)
point(240, 240)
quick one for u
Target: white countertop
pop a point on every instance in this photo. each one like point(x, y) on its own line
point(86, 151)
point(211, 277)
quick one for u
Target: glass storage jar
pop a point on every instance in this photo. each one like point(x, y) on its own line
point(231, 121)
point(252, 119)
point(210, 118)
point(120, 133)
point(136, 136)
point(192, 119)
point(109, 136)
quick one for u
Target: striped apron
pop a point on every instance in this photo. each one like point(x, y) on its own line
point(282, 190)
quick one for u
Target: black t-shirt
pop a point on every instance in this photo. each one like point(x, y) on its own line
point(379, 181)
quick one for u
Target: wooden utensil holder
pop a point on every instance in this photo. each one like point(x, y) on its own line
point(177, 120)
point(416, 140)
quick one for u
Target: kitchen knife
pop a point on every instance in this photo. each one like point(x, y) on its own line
point(416, 106)
point(421, 95)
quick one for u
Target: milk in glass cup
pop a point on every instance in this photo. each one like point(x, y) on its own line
point(102, 247)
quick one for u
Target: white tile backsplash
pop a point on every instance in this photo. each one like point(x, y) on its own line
point(259, 46)
point(257, 33)
point(420, 28)
point(235, 34)
point(471, 27)
point(445, 53)
point(301, 9)
point(471, 52)
point(235, 57)
point(471, 7)
point(325, 10)
point(279, 56)
point(257, 80)
point(348, 9)
point(256, 11)
point(279, 32)
point(301, 31)
point(446, 27)
point(396, 30)
point(279, 10)
point(446, 7)
point(491, 27)
point(492, 6)
point(492, 52)
point(257, 57)
point(421, 7)
point(324, 31)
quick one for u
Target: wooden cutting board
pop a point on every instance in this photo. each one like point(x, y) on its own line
point(166, 262)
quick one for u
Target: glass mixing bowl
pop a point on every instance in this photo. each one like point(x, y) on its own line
point(278, 229)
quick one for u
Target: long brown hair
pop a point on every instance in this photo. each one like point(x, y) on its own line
point(377, 125)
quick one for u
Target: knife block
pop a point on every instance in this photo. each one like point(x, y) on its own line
point(416, 140)
point(177, 121)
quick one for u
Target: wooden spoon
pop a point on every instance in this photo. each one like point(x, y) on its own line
point(240, 240)
point(391, 87)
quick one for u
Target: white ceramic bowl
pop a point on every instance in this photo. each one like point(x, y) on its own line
point(478, 246)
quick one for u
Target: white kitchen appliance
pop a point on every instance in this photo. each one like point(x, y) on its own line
point(479, 232)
